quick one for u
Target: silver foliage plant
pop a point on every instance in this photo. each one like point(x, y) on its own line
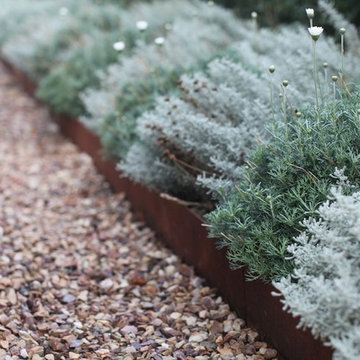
point(225, 111)
point(65, 27)
point(325, 287)
point(20, 44)
point(198, 31)
point(200, 126)
point(15, 16)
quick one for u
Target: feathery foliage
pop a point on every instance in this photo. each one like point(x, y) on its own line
point(131, 87)
point(17, 16)
point(81, 70)
point(286, 180)
point(324, 289)
point(197, 141)
point(42, 45)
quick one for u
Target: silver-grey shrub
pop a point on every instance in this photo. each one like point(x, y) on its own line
point(325, 287)
point(196, 36)
point(17, 16)
point(52, 41)
point(198, 142)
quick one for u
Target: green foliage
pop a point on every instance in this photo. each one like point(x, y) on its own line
point(62, 86)
point(43, 59)
point(286, 181)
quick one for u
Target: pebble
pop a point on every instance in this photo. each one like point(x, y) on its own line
point(81, 278)
point(198, 337)
point(67, 299)
point(106, 284)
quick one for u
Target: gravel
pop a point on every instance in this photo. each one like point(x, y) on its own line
point(79, 277)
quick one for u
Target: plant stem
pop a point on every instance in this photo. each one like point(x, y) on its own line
point(272, 97)
point(341, 71)
point(326, 82)
point(315, 79)
point(342, 57)
point(284, 109)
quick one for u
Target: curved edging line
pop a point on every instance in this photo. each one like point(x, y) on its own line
point(182, 230)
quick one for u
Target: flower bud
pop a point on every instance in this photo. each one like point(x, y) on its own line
point(272, 69)
point(298, 114)
point(334, 78)
point(325, 65)
point(285, 83)
point(342, 31)
point(310, 13)
point(254, 15)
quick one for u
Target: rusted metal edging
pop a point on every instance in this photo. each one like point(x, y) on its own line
point(181, 229)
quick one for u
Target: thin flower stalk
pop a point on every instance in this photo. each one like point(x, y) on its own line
point(254, 17)
point(326, 81)
point(271, 71)
point(334, 80)
point(315, 75)
point(342, 52)
point(342, 32)
point(284, 85)
point(315, 33)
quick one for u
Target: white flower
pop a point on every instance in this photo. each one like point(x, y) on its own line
point(310, 13)
point(63, 11)
point(159, 41)
point(119, 46)
point(315, 32)
point(142, 25)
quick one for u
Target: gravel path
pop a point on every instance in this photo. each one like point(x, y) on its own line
point(79, 278)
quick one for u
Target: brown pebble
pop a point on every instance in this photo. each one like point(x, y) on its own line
point(80, 277)
point(270, 354)
point(249, 350)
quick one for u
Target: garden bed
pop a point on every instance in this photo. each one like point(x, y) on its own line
point(182, 230)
